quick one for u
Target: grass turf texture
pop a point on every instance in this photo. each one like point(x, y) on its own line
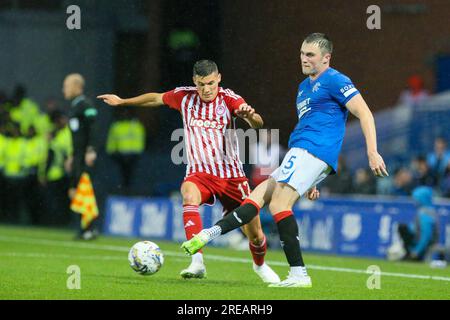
point(34, 261)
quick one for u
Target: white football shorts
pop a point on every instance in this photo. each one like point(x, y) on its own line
point(301, 170)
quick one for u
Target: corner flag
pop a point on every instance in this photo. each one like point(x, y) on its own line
point(84, 201)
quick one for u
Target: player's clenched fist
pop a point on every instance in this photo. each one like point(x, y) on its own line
point(245, 111)
point(111, 99)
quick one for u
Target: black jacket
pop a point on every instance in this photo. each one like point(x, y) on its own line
point(82, 117)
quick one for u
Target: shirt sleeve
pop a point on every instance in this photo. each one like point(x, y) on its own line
point(90, 114)
point(342, 89)
point(174, 98)
point(233, 101)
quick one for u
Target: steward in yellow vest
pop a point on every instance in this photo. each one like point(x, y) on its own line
point(125, 144)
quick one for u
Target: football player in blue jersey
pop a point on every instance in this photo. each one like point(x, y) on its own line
point(324, 99)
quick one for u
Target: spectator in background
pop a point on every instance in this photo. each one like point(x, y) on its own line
point(415, 93)
point(419, 236)
point(342, 182)
point(15, 174)
point(125, 144)
point(24, 110)
point(422, 174)
point(402, 182)
point(439, 159)
point(445, 183)
point(4, 116)
point(56, 177)
point(34, 161)
point(3, 102)
point(43, 123)
point(364, 182)
point(183, 46)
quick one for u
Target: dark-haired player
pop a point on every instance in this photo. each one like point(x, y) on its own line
point(214, 169)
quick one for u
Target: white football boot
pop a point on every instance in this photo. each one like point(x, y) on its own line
point(266, 273)
point(194, 271)
point(297, 281)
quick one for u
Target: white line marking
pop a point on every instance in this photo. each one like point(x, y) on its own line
point(68, 244)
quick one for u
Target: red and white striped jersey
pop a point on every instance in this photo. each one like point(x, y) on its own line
point(211, 144)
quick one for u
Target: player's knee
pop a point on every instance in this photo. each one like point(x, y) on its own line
point(189, 198)
point(277, 206)
point(254, 235)
point(257, 239)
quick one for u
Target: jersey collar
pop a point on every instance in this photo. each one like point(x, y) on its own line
point(320, 75)
point(76, 100)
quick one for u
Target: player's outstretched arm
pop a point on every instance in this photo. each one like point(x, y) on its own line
point(145, 100)
point(247, 113)
point(358, 107)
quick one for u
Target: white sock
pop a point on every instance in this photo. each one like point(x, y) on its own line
point(197, 258)
point(299, 272)
point(213, 232)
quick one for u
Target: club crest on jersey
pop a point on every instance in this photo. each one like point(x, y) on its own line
point(220, 110)
point(316, 87)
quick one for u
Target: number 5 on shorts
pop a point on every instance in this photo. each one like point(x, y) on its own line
point(290, 163)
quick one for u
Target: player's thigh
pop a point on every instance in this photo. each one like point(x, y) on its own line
point(299, 172)
point(263, 192)
point(283, 198)
point(191, 193)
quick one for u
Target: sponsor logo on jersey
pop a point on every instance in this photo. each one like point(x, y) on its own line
point(348, 90)
point(303, 107)
point(300, 94)
point(206, 124)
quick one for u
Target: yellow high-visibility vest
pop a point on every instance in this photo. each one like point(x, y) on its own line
point(2, 148)
point(43, 124)
point(36, 154)
point(126, 136)
point(14, 158)
point(61, 145)
point(25, 113)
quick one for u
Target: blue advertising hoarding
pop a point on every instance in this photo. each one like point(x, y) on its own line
point(343, 226)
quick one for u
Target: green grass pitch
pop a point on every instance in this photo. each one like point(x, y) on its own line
point(34, 263)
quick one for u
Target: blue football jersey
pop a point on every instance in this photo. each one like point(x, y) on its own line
point(322, 115)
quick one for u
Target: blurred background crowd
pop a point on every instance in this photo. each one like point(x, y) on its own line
point(36, 148)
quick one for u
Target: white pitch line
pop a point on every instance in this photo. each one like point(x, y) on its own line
point(69, 244)
point(59, 256)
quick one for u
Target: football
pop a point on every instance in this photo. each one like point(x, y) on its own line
point(145, 257)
